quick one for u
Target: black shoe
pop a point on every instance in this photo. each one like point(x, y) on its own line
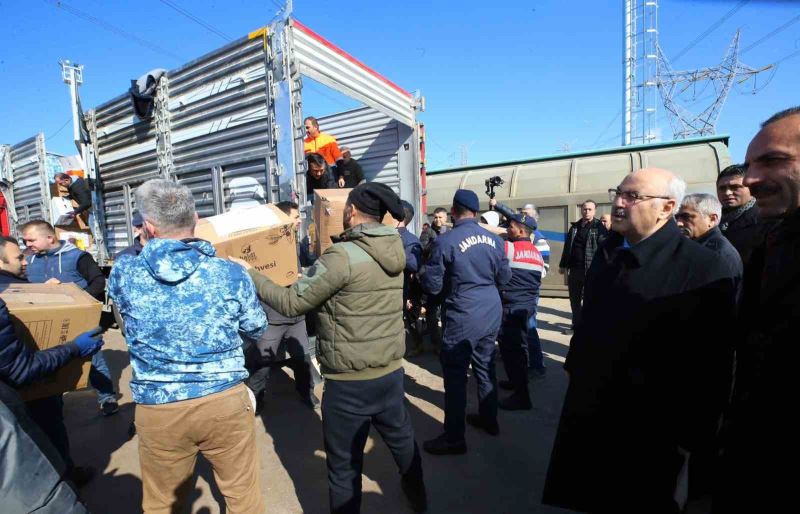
point(414, 489)
point(515, 402)
point(477, 421)
point(441, 446)
point(110, 407)
point(80, 475)
point(506, 384)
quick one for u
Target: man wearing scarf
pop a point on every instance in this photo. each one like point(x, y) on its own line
point(740, 222)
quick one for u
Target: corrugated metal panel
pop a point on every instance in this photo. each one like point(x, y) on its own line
point(373, 139)
point(29, 195)
point(218, 117)
point(324, 62)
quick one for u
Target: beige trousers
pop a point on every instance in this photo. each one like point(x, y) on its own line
point(221, 427)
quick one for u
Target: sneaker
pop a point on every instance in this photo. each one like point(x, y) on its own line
point(441, 446)
point(80, 475)
point(414, 489)
point(110, 407)
point(515, 402)
point(477, 421)
point(506, 384)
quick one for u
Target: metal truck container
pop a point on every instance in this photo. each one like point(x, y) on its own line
point(230, 126)
point(559, 184)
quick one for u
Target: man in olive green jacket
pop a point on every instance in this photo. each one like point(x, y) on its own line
point(357, 284)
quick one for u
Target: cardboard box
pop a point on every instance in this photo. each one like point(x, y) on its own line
point(329, 217)
point(47, 315)
point(263, 236)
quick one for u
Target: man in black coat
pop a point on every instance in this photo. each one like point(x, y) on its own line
point(583, 238)
point(78, 191)
point(759, 432)
point(348, 170)
point(698, 219)
point(648, 376)
point(319, 175)
point(740, 221)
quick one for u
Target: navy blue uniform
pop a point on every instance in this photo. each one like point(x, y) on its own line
point(467, 265)
point(520, 296)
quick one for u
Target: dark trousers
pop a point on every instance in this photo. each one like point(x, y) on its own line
point(514, 340)
point(575, 281)
point(349, 407)
point(432, 314)
point(535, 354)
point(456, 357)
point(279, 342)
point(48, 413)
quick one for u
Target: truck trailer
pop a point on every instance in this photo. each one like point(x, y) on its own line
point(229, 125)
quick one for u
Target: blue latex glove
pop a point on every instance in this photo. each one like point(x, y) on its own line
point(89, 342)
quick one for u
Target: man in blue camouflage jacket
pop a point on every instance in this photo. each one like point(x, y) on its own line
point(184, 311)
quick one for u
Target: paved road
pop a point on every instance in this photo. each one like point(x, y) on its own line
point(498, 475)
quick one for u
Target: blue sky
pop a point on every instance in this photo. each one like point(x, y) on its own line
point(503, 80)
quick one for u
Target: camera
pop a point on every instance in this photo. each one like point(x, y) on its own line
point(491, 183)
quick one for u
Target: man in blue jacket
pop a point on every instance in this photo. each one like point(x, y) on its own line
point(20, 365)
point(412, 297)
point(467, 265)
point(56, 262)
point(185, 312)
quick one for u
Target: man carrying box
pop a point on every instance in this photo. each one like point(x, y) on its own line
point(358, 286)
point(184, 312)
point(20, 365)
point(56, 262)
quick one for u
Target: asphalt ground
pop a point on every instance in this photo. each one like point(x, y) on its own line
point(498, 475)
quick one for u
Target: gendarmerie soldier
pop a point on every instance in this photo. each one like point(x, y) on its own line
point(467, 265)
point(519, 296)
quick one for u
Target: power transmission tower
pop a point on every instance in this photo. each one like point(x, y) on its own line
point(640, 72)
point(678, 86)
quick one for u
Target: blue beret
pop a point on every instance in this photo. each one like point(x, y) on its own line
point(467, 199)
point(524, 219)
point(137, 220)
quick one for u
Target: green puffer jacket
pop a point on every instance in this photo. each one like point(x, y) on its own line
point(358, 282)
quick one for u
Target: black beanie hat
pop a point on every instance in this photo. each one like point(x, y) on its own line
point(374, 199)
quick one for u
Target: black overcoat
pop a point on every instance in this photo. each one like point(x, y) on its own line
point(760, 439)
point(648, 374)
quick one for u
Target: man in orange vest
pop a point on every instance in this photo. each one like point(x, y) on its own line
point(321, 143)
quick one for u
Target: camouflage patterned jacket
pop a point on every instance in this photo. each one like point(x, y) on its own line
point(184, 310)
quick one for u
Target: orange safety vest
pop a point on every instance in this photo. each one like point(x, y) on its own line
point(325, 145)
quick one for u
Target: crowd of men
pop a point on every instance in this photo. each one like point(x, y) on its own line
point(683, 308)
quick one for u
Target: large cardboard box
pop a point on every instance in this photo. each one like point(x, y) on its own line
point(329, 217)
point(47, 315)
point(263, 236)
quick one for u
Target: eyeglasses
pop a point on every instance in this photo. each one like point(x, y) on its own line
point(631, 196)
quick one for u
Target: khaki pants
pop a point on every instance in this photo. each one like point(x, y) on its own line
point(220, 426)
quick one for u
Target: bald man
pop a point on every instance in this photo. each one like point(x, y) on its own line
point(648, 374)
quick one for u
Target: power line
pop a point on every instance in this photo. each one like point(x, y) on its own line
point(771, 34)
point(195, 19)
point(57, 132)
point(605, 130)
point(58, 4)
point(714, 26)
point(787, 57)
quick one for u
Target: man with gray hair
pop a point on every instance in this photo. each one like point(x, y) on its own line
point(648, 374)
point(185, 312)
point(698, 219)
